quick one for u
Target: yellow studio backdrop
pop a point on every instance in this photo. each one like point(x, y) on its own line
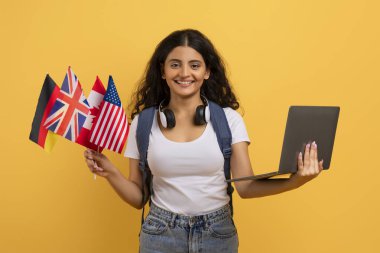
point(278, 53)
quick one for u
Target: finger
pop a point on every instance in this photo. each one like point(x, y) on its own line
point(97, 168)
point(300, 162)
point(306, 159)
point(317, 164)
point(97, 156)
point(313, 158)
point(90, 164)
point(87, 154)
point(96, 153)
point(89, 157)
point(320, 165)
point(313, 147)
point(316, 151)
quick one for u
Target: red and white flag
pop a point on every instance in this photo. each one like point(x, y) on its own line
point(111, 127)
point(94, 99)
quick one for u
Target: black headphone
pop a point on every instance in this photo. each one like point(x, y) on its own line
point(201, 117)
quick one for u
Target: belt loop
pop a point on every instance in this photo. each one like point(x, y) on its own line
point(205, 221)
point(172, 221)
point(192, 221)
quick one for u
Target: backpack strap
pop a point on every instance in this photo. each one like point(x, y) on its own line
point(144, 126)
point(224, 136)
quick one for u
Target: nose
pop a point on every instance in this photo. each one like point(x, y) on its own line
point(184, 71)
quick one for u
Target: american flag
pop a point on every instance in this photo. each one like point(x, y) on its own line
point(70, 110)
point(111, 128)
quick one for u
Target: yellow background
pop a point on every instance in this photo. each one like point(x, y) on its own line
point(278, 53)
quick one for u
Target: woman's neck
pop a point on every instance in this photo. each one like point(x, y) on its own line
point(180, 105)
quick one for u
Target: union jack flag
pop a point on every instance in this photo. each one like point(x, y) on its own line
point(70, 110)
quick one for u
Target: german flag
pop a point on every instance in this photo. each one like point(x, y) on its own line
point(39, 134)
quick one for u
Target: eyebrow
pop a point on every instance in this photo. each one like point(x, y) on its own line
point(181, 61)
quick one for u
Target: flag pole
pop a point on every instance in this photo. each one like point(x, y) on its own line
point(95, 164)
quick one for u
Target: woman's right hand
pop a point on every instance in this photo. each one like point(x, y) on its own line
point(99, 164)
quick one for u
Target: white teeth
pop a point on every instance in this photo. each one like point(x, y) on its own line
point(189, 82)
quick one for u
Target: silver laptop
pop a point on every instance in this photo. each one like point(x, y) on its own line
point(304, 125)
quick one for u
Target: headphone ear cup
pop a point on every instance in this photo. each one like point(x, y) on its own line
point(200, 115)
point(162, 119)
point(169, 118)
point(207, 114)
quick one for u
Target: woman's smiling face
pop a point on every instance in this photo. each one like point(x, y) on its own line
point(185, 70)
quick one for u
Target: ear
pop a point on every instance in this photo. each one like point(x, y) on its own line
point(207, 74)
point(162, 70)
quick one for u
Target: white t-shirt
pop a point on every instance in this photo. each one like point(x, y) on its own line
point(188, 177)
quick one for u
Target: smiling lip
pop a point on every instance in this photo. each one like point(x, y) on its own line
point(183, 83)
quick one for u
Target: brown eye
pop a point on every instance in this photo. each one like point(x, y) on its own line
point(174, 65)
point(195, 66)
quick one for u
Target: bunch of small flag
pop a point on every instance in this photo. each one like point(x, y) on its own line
point(97, 122)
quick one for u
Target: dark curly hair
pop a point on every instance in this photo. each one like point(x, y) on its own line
point(152, 89)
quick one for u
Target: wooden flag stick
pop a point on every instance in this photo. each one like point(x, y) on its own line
point(95, 164)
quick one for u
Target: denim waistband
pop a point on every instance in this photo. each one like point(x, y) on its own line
point(185, 221)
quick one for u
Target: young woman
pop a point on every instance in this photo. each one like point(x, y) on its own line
point(190, 206)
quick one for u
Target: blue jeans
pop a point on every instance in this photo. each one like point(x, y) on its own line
point(167, 232)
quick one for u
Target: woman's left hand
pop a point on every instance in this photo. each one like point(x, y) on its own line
point(309, 168)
